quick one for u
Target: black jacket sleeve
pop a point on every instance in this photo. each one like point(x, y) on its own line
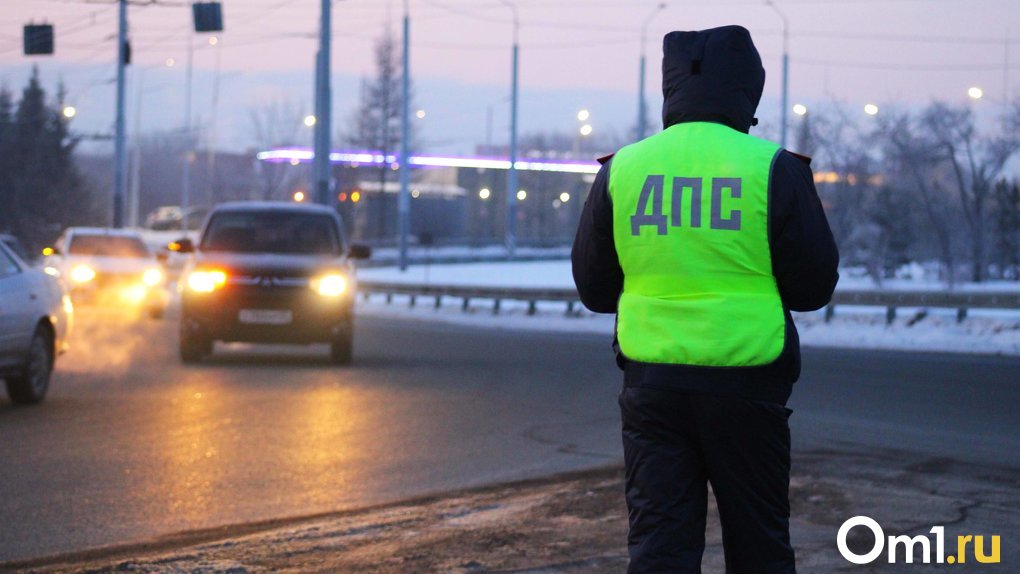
point(596, 267)
point(804, 254)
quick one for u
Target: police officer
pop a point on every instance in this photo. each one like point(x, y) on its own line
point(702, 239)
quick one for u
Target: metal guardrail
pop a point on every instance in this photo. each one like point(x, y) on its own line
point(440, 259)
point(962, 301)
point(466, 293)
point(891, 300)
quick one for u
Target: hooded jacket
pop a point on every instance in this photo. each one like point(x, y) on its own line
point(716, 76)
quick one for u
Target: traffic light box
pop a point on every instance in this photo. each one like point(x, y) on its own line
point(38, 39)
point(208, 16)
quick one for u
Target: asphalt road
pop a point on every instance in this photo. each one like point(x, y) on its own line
point(131, 445)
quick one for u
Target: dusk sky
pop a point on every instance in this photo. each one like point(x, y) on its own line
point(574, 54)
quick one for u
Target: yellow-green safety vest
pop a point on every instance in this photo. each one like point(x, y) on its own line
point(690, 222)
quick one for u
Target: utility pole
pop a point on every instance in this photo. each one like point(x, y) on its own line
point(511, 177)
point(211, 186)
point(186, 181)
point(642, 124)
point(404, 199)
point(206, 17)
point(323, 109)
point(136, 152)
point(786, 72)
point(119, 155)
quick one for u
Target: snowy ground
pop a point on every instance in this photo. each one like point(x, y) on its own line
point(493, 252)
point(555, 274)
point(984, 331)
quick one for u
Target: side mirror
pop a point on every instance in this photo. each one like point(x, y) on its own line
point(359, 251)
point(182, 245)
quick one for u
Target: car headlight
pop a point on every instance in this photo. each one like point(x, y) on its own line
point(82, 274)
point(206, 281)
point(332, 285)
point(152, 277)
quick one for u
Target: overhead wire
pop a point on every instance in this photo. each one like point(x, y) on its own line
point(615, 34)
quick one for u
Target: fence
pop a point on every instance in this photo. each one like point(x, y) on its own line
point(891, 300)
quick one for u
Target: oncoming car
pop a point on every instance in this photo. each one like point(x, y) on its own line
point(35, 318)
point(269, 272)
point(109, 267)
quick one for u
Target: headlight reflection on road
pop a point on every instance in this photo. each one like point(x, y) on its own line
point(323, 446)
point(198, 450)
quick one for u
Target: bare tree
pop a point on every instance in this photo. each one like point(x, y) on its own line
point(848, 169)
point(375, 125)
point(275, 124)
point(977, 162)
point(911, 157)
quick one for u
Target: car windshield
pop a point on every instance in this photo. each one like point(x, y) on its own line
point(107, 246)
point(272, 232)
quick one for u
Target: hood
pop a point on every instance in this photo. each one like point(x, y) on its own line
point(112, 265)
point(711, 75)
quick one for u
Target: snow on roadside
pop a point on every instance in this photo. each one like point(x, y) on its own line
point(985, 332)
point(938, 331)
point(554, 274)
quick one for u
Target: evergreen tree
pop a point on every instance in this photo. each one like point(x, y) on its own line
point(42, 191)
point(7, 150)
point(1007, 226)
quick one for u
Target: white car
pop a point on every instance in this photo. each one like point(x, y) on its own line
point(109, 266)
point(35, 320)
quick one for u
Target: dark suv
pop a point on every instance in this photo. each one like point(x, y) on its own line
point(268, 272)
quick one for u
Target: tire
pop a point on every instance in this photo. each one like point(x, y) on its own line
point(341, 349)
point(194, 348)
point(30, 386)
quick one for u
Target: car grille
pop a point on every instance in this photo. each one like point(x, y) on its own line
point(267, 282)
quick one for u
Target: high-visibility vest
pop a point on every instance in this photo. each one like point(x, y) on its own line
point(691, 226)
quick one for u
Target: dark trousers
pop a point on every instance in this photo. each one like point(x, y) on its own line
point(674, 444)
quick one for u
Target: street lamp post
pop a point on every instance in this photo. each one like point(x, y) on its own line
point(511, 178)
point(119, 129)
point(404, 200)
point(323, 108)
point(786, 71)
point(642, 126)
point(186, 183)
point(134, 190)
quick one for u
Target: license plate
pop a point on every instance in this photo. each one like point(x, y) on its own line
point(265, 317)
